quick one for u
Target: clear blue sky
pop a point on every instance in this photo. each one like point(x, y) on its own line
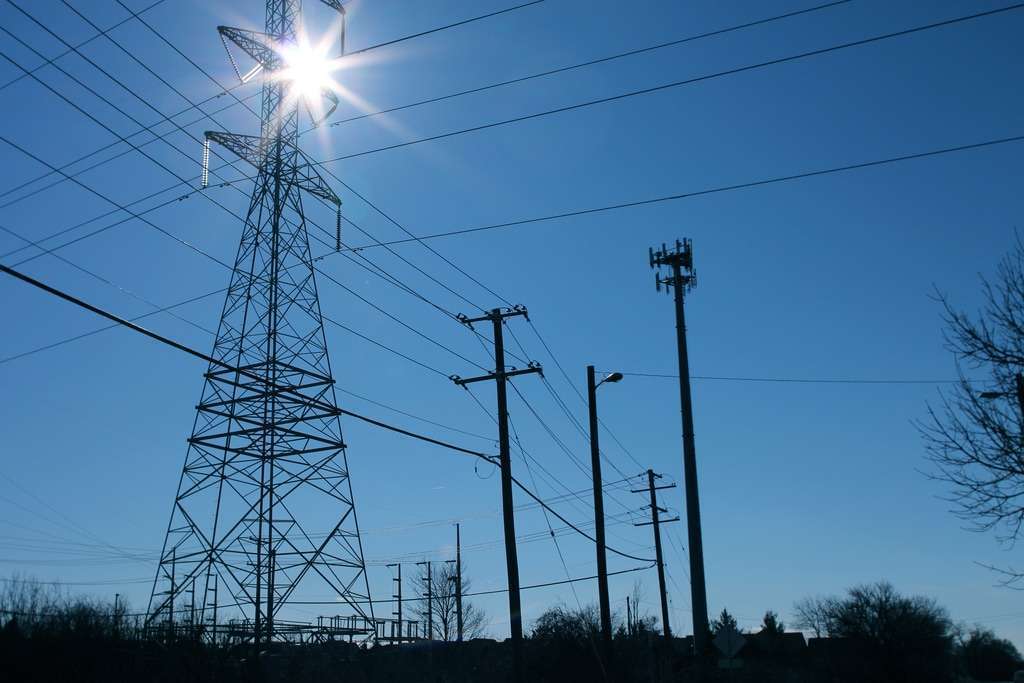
point(806, 488)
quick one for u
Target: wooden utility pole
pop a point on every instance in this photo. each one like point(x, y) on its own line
point(501, 375)
point(629, 618)
point(656, 522)
point(457, 580)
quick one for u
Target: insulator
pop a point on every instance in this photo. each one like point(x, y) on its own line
point(206, 163)
point(337, 231)
point(250, 73)
point(342, 38)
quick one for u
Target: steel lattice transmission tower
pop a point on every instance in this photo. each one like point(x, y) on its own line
point(264, 504)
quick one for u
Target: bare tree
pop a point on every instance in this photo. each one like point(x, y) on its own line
point(33, 608)
point(814, 615)
point(975, 436)
point(443, 610)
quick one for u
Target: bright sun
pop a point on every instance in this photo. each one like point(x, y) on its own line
point(308, 68)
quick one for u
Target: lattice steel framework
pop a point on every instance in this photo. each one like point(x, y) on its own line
point(265, 502)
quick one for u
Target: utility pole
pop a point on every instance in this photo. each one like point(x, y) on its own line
point(501, 375)
point(682, 279)
point(398, 596)
point(602, 560)
point(430, 599)
point(629, 618)
point(457, 579)
point(656, 522)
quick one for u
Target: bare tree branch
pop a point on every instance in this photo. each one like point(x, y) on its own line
point(977, 444)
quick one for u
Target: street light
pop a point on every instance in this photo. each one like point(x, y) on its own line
point(612, 378)
point(602, 561)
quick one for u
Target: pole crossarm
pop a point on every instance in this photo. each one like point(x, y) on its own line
point(660, 521)
point(499, 313)
point(533, 368)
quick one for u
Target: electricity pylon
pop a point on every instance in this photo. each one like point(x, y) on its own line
point(264, 506)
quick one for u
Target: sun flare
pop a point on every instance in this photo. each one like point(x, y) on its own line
point(308, 69)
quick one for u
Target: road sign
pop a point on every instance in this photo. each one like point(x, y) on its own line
point(729, 641)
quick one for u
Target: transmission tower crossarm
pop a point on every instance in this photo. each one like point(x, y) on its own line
point(254, 149)
point(309, 179)
point(246, 147)
point(257, 45)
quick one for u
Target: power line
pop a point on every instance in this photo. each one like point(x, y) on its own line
point(579, 394)
point(565, 449)
point(116, 204)
point(428, 247)
point(104, 32)
point(561, 402)
point(393, 279)
point(714, 190)
point(206, 254)
point(734, 379)
point(284, 389)
point(222, 90)
point(111, 283)
point(415, 417)
point(496, 591)
point(547, 519)
point(529, 220)
point(165, 232)
point(448, 26)
point(592, 62)
point(795, 380)
point(90, 333)
point(676, 84)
